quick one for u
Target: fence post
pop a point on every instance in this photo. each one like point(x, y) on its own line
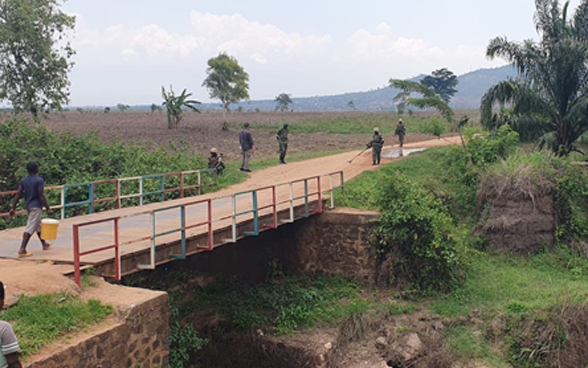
point(63, 202)
point(291, 202)
point(76, 246)
point(182, 184)
point(332, 192)
point(117, 261)
point(92, 188)
point(162, 188)
point(210, 233)
point(320, 194)
point(306, 197)
point(141, 187)
point(118, 201)
point(275, 199)
point(199, 182)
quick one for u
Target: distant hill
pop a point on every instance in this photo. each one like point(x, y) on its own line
point(471, 88)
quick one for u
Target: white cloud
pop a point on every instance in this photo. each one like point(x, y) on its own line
point(316, 64)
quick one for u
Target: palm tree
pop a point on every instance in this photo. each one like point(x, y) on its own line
point(550, 98)
point(174, 105)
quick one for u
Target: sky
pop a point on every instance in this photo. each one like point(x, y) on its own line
point(126, 50)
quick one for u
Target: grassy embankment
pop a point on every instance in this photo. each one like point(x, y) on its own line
point(38, 320)
point(497, 288)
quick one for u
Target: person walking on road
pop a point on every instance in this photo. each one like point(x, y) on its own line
point(376, 144)
point(8, 343)
point(247, 146)
point(400, 132)
point(32, 188)
point(282, 138)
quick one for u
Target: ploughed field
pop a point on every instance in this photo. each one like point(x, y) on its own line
point(310, 131)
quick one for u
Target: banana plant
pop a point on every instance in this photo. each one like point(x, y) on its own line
point(175, 106)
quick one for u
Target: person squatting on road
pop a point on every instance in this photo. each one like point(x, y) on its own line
point(400, 132)
point(215, 161)
point(8, 343)
point(247, 147)
point(282, 138)
point(32, 188)
point(376, 145)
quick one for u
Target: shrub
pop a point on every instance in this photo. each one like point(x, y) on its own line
point(416, 229)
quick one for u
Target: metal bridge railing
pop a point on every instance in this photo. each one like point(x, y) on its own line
point(116, 196)
point(252, 208)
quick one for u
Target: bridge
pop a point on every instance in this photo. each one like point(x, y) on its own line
point(125, 240)
point(122, 226)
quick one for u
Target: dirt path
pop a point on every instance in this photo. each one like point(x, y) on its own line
point(326, 164)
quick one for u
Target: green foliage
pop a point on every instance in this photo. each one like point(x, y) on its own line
point(430, 98)
point(122, 107)
point(572, 205)
point(283, 100)
point(37, 320)
point(498, 284)
point(227, 81)
point(67, 159)
point(155, 108)
point(550, 99)
point(363, 124)
point(183, 341)
point(443, 82)
point(485, 150)
point(417, 229)
point(286, 305)
point(34, 55)
point(175, 104)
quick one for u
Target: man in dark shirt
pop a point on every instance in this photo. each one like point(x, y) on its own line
point(32, 188)
point(247, 147)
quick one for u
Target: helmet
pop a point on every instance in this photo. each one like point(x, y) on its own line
point(213, 150)
point(400, 120)
point(376, 130)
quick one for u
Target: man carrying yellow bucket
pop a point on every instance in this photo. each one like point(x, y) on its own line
point(32, 188)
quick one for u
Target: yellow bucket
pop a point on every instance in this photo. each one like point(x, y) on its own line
point(49, 229)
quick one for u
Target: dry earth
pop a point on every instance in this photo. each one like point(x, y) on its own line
point(203, 131)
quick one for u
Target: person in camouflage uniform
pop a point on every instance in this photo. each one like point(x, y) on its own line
point(376, 144)
point(282, 138)
point(400, 132)
point(215, 161)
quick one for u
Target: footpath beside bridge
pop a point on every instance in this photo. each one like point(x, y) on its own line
point(123, 241)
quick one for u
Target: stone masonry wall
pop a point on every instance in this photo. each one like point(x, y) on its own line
point(139, 340)
point(337, 243)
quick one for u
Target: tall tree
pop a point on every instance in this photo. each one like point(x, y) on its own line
point(443, 82)
point(550, 98)
point(175, 105)
point(34, 55)
point(283, 100)
point(227, 81)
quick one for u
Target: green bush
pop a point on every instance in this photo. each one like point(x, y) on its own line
point(417, 229)
point(571, 204)
point(66, 159)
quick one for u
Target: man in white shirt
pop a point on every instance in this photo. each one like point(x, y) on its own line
point(8, 344)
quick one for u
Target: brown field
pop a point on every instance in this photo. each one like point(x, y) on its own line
point(203, 131)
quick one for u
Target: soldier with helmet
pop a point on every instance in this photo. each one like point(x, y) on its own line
point(376, 145)
point(215, 161)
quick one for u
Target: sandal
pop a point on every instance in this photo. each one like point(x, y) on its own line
point(49, 245)
point(24, 255)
